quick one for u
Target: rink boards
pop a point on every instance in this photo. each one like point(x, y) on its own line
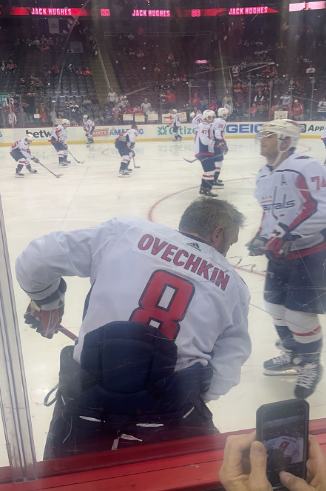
point(150, 132)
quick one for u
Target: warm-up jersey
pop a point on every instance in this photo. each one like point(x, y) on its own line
point(128, 136)
point(59, 134)
point(291, 447)
point(204, 140)
point(294, 194)
point(219, 128)
point(23, 147)
point(176, 120)
point(89, 126)
point(146, 272)
point(197, 120)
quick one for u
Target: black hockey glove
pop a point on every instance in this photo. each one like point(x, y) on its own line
point(256, 246)
point(35, 159)
point(45, 315)
point(131, 145)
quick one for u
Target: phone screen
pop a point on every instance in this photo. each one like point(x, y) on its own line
point(284, 435)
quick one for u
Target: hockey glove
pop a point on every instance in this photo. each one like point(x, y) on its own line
point(35, 159)
point(225, 148)
point(65, 146)
point(130, 145)
point(132, 154)
point(45, 315)
point(256, 246)
point(279, 244)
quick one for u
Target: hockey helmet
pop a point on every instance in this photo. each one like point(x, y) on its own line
point(29, 138)
point(174, 111)
point(85, 116)
point(283, 128)
point(223, 112)
point(209, 115)
point(65, 122)
point(193, 114)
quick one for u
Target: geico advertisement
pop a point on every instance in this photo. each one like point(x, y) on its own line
point(231, 129)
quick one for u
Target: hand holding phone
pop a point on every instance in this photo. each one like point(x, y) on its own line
point(244, 464)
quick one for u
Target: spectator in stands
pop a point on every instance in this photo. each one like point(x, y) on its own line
point(140, 54)
point(137, 110)
point(75, 111)
point(170, 59)
point(140, 31)
point(128, 109)
point(131, 52)
point(259, 97)
point(37, 116)
point(311, 69)
point(30, 105)
point(50, 41)
point(3, 66)
point(22, 83)
point(112, 98)
point(55, 70)
point(170, 100)
point(298, 110)
point(156, 69)
point(71, 68)
point(79, 71)
point(87, 103)
point(272, 113)
point(87, 71)
point(36, 43)
point(130, 36)
point(236, 70)
point(12, 119)
point(146, 108)
point(106, 115)
point(213, 105)
point(117, 115)
point(286, 100)
point(195, 100)
point(261, 114)
point(203, 103)
point(253, 111)
point(12, 66)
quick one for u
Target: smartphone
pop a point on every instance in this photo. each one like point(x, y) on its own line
point(283, 429)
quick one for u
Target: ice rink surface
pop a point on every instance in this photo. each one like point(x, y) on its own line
point(160, 190)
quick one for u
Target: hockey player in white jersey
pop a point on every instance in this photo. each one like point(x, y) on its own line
point(204, 152)
point(21, 153)
point(323, 138)
point(125, 144)
point(287, 450)
point(155, 292)
point(291, 189)
point(196, 119)
point(89, 127)
point(220, 146)
point(176, 124)
point(59, 141)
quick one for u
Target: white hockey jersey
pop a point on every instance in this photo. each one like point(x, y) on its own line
point(219, 128)
point(22, 146)
point(204, 140)
point(291, 447)
point(128, 136)
point(89, 126)
point(323, 134)
point(294, 194)
point(176, 120)
point(59, 134)
point(147, 272)
point(197, 120)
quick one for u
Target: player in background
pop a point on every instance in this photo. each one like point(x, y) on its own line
point(204, 152)
point(291, 189)
point(89, 127)
point(323, 137)
point(21, 153)
point(196, 119)
point(59, 139)
point(125, 144)
point(220, 146)
point(175, 342)
point(176, 124)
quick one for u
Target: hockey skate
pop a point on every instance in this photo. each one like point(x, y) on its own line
point(218, 184)
point(207, 192)
point(309, 376)
point(286, 364)
point(19, 174)
point(123, 173)
point(32, 171)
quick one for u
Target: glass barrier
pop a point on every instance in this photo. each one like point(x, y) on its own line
point(134, 332)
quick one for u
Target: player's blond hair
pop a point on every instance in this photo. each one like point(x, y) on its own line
point(206, 214)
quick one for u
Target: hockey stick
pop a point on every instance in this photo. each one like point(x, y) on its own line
point(190, 161)
point(135, 166)
point(78, 162)
point(55, 175)
point(67, 333)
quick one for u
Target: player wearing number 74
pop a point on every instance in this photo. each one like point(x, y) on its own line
point(164, 327)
